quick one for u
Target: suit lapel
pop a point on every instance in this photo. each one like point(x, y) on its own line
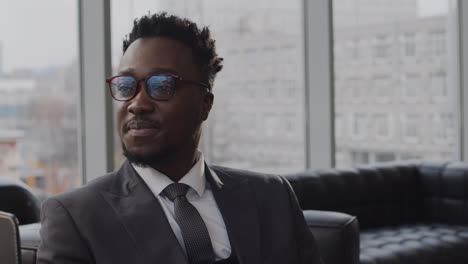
point(143, 218)
point(236, 201)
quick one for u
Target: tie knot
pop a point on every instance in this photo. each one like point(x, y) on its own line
point(175, 190)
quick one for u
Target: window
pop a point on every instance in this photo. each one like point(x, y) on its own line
point(262, 82)
point(411, 87)
point(352, 48)
point(408, 44)
point(423, 77)
point(437, 43)
point(411, 127)
point(443, 128)
point(39, 88)
point(382, 125)
point(438, 86)
point(384, 157)
point(339, 126)
point(382, 87)
point(360, 157)
point(359, 125)
point(382, 47)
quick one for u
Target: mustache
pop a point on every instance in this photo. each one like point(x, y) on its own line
point(140, 123)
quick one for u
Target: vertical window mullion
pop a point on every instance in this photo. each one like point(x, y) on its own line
point(319, 84)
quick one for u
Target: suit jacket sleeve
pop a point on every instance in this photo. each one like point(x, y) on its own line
point(308, 252)
point(61, 241)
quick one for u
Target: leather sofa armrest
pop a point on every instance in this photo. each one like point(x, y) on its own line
point(30, 238)
point(336, 234)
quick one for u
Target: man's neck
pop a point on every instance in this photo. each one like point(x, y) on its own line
point(177, 166)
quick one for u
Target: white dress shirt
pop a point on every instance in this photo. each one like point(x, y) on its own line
point(200, 195)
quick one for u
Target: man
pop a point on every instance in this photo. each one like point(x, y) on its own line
point(165, 205)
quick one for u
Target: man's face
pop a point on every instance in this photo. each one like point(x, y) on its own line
point(151, 129)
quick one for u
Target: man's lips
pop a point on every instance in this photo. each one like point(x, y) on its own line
point(142, 128)
point(143, 132)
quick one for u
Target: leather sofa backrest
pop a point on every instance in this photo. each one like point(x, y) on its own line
point(17, 198)
point(378, 196)
point(445, 192)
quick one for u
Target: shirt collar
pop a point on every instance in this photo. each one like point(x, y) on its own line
point(157, 181)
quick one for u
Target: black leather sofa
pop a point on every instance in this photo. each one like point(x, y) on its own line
point(408, 213)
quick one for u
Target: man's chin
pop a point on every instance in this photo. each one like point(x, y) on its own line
point(139, 159)
point(142, 159)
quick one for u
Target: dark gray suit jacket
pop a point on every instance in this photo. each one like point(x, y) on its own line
point(116, 219)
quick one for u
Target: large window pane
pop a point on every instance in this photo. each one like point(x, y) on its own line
point(39, 93)
point(258, 118)
point(395, 80)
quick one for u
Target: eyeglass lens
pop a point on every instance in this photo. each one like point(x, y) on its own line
point(159, 87)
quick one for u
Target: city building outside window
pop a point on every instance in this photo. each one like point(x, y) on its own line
point(39, 94)
point(408, 71)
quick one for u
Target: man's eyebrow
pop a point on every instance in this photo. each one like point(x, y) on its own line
point(131, 71)
point(155, 71)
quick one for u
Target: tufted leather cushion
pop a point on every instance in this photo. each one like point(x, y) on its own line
point(419, 243)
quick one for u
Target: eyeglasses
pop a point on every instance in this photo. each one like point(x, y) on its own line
point(160, 87)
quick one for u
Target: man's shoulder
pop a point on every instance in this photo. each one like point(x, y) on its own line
point(252, 176)
point(87, 193)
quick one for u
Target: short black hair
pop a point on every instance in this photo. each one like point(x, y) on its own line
point(181, 29)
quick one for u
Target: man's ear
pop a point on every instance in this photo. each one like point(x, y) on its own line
point(208, 99)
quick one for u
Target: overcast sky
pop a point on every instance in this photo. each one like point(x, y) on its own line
point(40, 33)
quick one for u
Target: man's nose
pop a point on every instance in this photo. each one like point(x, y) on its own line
point(141, 103)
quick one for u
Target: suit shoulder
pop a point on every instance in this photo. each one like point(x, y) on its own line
point(87, 192)
point(255, 177)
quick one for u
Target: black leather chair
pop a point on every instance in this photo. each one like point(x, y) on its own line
point(17, 198)
point(9, 239)
point(407, 212)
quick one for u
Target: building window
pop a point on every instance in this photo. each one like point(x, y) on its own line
point(359, 125)
point(382, 125)
point(437, 42)
point(411, 85)
point(411, 125)
point(383, 90)
point(384, 156)
point(339, 126)
point(438, 86)
point(443, 128)
point(382, 46)
point(358, 89)
point(360, 157)
point(352, 48)
point(408, 44)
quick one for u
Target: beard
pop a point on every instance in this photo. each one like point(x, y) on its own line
point(167, 153)
point(144, 160)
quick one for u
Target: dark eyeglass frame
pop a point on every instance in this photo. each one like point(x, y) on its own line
point(177, 79)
